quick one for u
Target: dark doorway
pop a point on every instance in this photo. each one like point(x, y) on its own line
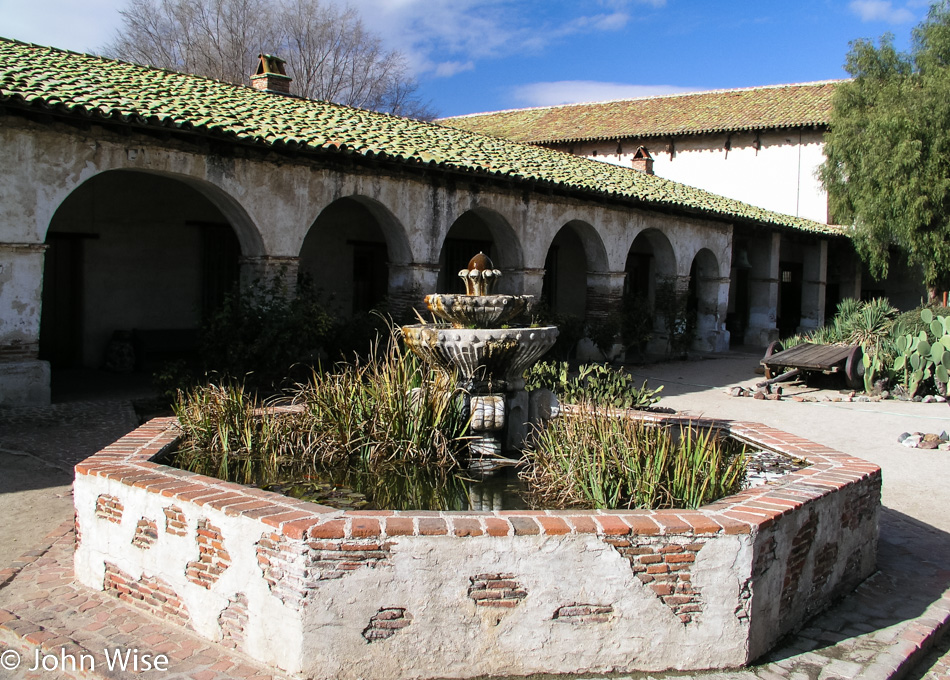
point(790, 298)
point(220, 264)
point(738, 321)
point(370, 275)
point(61, 329)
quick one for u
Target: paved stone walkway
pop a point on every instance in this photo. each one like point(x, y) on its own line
point(891, 627)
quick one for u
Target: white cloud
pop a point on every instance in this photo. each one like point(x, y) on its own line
point(450, 68)
point(581, 91)
point(436, 34)
point(881, 10)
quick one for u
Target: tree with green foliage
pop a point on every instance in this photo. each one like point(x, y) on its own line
point(887, 168)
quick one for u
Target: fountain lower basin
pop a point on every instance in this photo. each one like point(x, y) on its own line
point(331, 593)
point(481, 355)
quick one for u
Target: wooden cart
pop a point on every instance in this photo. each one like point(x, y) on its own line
point(808, 357)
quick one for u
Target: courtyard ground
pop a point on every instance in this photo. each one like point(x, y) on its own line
point(883, 630)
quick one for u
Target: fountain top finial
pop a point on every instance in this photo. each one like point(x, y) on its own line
point(480, 276)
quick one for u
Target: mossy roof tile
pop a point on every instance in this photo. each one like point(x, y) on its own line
point(756, 108)
point(80, 84)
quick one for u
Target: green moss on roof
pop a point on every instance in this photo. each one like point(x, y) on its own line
point(759, 108)
point(86, 86)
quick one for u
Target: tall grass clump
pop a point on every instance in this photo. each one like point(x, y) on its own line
point(387, 410)
point(230, 434)
point(597, 461)
point(387, 413)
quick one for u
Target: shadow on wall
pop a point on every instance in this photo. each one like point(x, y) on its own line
point(909, 579)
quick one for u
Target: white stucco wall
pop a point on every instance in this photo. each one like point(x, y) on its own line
point(779, 176)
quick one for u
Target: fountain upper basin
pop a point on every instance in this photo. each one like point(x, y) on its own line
point(479, 311)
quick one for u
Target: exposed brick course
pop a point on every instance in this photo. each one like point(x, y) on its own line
point(665, 567)
point(175, 522)
point(386, 622)
point(233, 620)
point(496, 590)
point(109, 508)
point(584, 613)
point(150, 593)
point(212, 560)
point(146, 533)
point(795, 564)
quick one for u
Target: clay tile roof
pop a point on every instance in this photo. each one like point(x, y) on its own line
point(757, 108)
point(74, 85)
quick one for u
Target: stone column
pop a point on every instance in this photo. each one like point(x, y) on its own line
point(264, 271)
point(408, 286)
point(815, 279)
point(526, 281)
point(24, 379)
point(711, 333)
point(604, 295)
point(763, 290)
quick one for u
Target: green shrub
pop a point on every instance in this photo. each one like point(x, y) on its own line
point(262, 335)
point(678, 319)
point(624, 463)
point(910, 322)
point(595, 384)
point(604, 334)
point(571, 330)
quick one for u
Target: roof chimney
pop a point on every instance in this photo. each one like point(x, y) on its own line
point(270, 75)
point(643, 161)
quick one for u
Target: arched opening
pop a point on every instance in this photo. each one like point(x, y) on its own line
point(649, 260)
point(134, 262)
point(564, 289)
point(475, 231)
point(702, 301)
point(347, 254)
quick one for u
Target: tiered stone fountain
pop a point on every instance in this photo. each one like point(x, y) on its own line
point(488, 357)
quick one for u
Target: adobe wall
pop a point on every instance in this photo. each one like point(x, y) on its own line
point(271, 203)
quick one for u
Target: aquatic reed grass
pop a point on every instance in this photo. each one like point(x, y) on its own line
point(600, 460)
point(382, 413)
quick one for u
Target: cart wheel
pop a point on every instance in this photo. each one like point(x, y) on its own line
point(774, 348)
point(854, 368)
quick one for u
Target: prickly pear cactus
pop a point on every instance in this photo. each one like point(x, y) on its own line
point(918, 358)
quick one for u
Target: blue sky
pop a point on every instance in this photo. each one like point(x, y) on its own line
point(484, 55)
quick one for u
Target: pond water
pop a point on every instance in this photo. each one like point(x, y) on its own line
point(410, 490)
point(464, 490)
